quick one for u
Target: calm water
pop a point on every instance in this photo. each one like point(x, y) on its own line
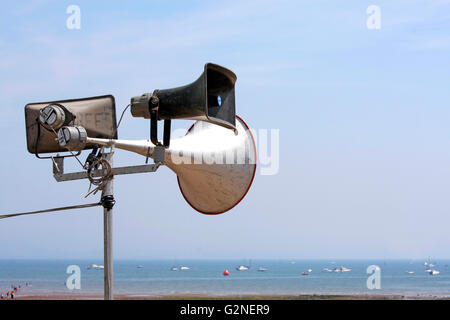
point(205, 277)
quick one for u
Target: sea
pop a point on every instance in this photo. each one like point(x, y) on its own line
point(205, 277)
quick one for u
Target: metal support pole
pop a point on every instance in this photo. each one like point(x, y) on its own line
point(108, 203)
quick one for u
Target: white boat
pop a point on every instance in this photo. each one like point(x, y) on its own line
point(262, 269)
point(184, 268)
point(242, 268)
point(342, 269)
point(410, 272)
point(434, 272)
point(326, 270)
point(309, 270)
point(174, 269)
point(94, 266)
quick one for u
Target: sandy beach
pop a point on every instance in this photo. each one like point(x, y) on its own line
point(236, 297)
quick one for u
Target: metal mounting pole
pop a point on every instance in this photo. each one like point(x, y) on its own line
point(108, 202)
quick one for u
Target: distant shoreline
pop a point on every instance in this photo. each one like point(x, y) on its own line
point(236, 297)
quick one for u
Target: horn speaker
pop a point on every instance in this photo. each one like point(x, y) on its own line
point(210, 98)
point(215, 166)
point(96, 114)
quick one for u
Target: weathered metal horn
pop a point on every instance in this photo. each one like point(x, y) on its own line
point(215, 166)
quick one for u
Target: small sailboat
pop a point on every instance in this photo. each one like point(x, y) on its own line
point(94, 266)
point(309, 270)
point(262, 269)
point(140, 266)
point(175, 266)
point(342, 269)
point(429, 264)
point(305, 273)
point(434, 272)
point(242, 268)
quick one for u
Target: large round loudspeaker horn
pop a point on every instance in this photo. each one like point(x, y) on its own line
point(215, 166)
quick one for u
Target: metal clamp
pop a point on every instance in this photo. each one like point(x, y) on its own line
point(108, 202)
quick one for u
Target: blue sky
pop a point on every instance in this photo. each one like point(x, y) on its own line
point(363, 119)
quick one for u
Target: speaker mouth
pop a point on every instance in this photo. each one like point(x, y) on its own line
point(250, 175)
point(220, 97)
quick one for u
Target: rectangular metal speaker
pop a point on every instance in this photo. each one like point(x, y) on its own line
point(96, 114)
